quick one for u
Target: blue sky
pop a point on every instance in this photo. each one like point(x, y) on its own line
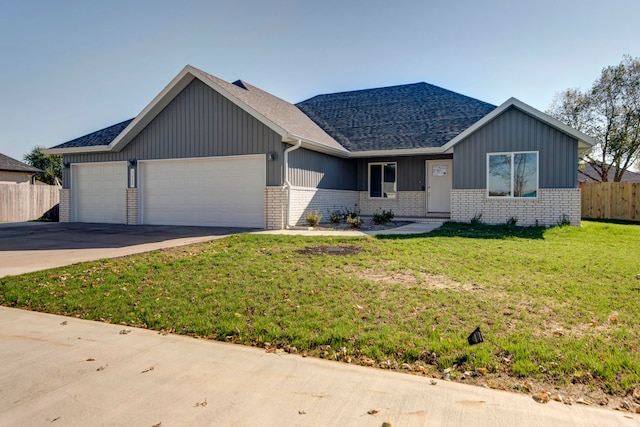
point(72, 67)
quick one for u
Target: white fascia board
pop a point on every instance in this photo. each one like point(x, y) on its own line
point(77, 150)
point(584, 141)
point(398, 152)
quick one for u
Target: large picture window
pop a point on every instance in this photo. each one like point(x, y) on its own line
point(382, 180)
point(512, 174)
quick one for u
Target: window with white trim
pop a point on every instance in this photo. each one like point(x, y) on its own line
point(382, 180)
point(512, 174)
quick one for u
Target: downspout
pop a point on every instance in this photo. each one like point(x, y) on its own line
point(287, 184)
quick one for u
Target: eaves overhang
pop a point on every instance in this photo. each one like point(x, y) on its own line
point(77, 150)
point(316, 146)
point(397, 152)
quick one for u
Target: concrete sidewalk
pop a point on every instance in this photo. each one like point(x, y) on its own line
point(68, 372)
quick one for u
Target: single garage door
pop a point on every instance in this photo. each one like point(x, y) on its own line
point(100, 192)
point(221, 191)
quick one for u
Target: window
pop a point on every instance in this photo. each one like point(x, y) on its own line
point(382, 180)
point(512, 174)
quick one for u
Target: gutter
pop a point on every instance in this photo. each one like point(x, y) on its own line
point(319, 147)
point(287, 184)
point(77, 150)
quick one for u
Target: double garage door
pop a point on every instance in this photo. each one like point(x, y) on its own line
point(222, 191)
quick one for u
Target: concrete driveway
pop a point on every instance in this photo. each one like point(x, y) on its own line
point(33, 246)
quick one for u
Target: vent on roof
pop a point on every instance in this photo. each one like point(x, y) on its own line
point(240, 84)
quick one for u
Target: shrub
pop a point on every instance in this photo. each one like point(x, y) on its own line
point(383, 217)
point(512, 221)
point(564, 220)
point(354, 221)
point(335, 217)
point(346, 213)
point(477, 219)
point(312, 218)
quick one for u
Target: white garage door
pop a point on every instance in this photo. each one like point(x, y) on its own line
point(100, 192)
point(222, 191)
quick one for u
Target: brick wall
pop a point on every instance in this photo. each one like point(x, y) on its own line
point(65, 205)
point(549, 208)
point(406, 203)
point(324, 201)
point(274, 208)
point(132, 206)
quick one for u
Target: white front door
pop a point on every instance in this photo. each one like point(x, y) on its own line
point(439, 184)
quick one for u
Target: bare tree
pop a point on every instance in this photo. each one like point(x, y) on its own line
point(609, 112)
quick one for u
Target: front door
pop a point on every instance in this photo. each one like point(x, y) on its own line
point(439, 182)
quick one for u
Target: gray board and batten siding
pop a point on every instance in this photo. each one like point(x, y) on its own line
point(198, 122)
point(317, 170)
point(410, 170)
point(515, 130)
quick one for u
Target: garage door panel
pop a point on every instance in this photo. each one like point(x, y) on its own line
point(213, 192)
point(100, 192)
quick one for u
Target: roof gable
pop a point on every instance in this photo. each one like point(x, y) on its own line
point(280, 116)
point(12, 165)
point(412, 116)
point(585, 142)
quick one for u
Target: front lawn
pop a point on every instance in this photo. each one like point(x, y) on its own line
point(558, 308)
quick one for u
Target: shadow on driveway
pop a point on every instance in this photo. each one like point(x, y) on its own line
point(52, 236)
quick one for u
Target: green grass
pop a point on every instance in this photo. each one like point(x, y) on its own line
point(559, 305)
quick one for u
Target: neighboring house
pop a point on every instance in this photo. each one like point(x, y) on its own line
point(209, 152)
point(590, 172)
point(15, 172)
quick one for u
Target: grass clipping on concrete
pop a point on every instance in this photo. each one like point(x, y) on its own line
point(557, 307)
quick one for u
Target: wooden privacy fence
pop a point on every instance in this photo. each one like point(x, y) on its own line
point(611, 200)
point(23, 202)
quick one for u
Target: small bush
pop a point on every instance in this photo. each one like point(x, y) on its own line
point(383, 217)
point(335, 217)
point(346, 213)
point(564, 220)
point(512, 221)
point(354, 221)
point(312, 218)
point(477, 219)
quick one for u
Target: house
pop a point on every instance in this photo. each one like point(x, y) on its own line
point(590, 172)
point(15, 172)
point(209, 152)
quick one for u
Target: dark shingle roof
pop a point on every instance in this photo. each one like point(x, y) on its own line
point(9, 164)
point(100, 137)
point(589, 172)
point(416, 115)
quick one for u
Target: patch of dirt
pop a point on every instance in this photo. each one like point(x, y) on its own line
point(331, 250)
point(433, 281)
